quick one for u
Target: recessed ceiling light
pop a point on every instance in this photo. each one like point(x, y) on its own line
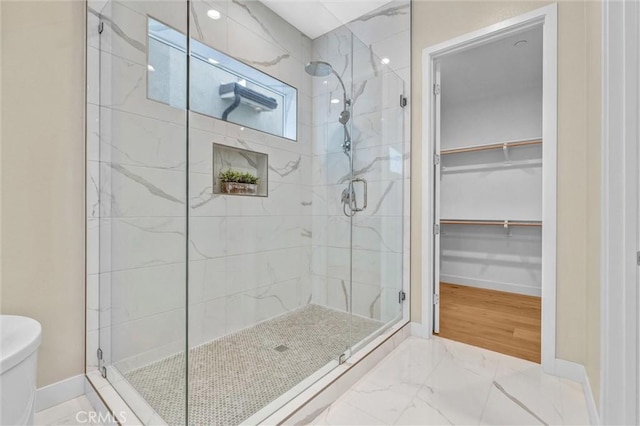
point(520, 43)
point(325, 82)
point(335, 101)
point(151, 68)
point(213, 61)
point(213, 14)
point(385, 61)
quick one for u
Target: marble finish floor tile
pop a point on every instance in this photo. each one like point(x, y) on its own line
point(442, 382)
point(233, 377)
point(73, 412)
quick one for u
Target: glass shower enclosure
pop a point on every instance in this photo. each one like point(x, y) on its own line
point(247, 219)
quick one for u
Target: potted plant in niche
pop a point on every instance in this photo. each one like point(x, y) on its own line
point(233, 182)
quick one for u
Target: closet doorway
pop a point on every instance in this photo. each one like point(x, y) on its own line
point(492, 140)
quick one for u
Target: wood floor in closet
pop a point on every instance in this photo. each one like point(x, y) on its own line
point(503, 322)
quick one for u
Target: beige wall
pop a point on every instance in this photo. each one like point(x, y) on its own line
point(578, 156)
point(42, 108)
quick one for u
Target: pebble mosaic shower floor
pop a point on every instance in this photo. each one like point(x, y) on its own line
point(235, 376)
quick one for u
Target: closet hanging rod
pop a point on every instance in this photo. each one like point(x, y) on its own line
point(490, 222)
point(491, 146)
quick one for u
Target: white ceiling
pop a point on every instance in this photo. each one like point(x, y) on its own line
point(317, 17)
point(497, 67)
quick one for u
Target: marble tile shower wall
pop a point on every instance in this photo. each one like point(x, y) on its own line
point(249, 258)
point(331, 236)
point(380, 136)
point(266, 251)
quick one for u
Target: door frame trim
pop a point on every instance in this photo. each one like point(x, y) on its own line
point(547, 17)
point(620, 222)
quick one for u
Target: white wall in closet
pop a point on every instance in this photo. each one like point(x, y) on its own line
point(493, 94)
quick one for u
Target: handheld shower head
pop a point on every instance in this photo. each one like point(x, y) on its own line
point(344, 117)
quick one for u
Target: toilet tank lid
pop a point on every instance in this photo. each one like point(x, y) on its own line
point(19, 338)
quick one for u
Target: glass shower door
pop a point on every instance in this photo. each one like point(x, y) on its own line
point(379, 163)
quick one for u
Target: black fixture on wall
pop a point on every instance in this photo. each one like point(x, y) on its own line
point(255, 99)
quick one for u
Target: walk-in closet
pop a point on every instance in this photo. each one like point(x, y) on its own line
point(488, 197)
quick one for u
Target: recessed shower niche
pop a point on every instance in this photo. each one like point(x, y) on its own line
point(238, 171)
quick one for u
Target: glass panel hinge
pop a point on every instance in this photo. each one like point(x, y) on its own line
point(402, 296)
point(101, 368)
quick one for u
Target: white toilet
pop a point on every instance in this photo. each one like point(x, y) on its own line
point(19, 341)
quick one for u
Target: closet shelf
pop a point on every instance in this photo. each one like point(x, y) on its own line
point(504, 223)
point(502, 145)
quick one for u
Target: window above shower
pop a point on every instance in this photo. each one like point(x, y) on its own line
point(220, 86)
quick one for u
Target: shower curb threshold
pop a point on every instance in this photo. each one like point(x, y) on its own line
point(114, 403)
point(301, 406)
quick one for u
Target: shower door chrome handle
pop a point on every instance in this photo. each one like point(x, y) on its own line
point(354, 205)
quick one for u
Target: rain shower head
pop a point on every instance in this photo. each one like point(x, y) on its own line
point(318, 68)
point(323, 69)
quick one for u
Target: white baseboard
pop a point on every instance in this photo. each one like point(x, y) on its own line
point(59, 392)
point(577, 373)
point(419, 330)
point(492, 285)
